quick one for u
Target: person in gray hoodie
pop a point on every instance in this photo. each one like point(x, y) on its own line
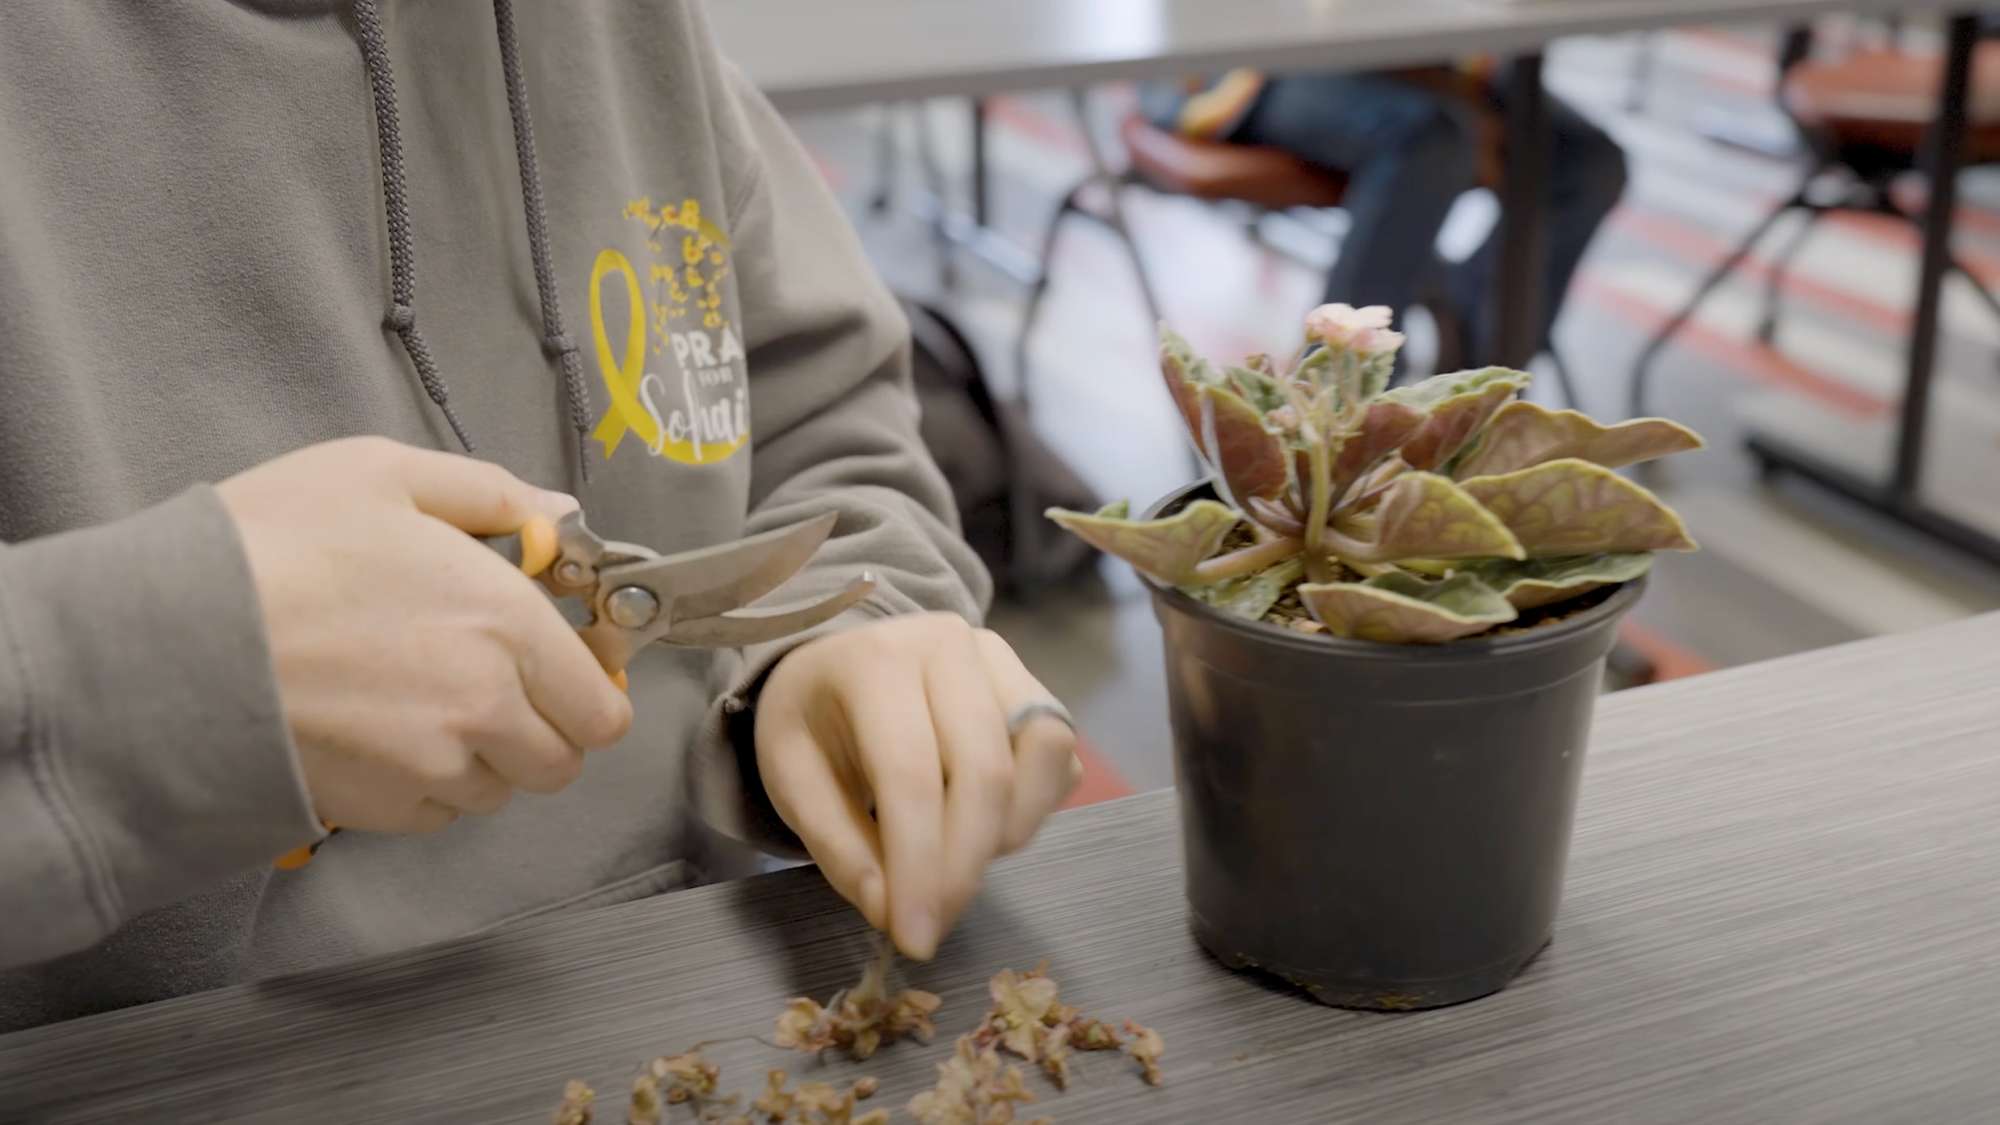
point(297, 297)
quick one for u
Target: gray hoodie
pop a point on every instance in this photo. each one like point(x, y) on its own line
point(230, 228)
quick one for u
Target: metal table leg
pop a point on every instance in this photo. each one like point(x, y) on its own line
point(1524, 201)
point(1899, 498)
point(982, 213)
point(971, 232)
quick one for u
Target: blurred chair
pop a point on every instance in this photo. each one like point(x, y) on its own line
point(1265, 180)
point(1866, 120)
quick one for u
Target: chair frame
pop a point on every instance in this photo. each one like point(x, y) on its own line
point(1862, 190)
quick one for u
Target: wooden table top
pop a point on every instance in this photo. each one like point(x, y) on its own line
point(809, 54)
point(1783, 905)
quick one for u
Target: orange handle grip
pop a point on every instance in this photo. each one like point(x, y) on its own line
point(538, 552)
point(538, 546)
point(300, 856)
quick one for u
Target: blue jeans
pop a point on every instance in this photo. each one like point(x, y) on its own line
point(1409, 153)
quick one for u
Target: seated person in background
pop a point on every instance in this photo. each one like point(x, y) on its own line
point(1410, 143)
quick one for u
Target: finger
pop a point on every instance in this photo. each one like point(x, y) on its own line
point(978, 770)
point(827, 816)
point(427, 816)
point(1046, 769)
point(564, 681)
point(477, 789)
point(474, 496)
point(530, 754)
point(898, 751)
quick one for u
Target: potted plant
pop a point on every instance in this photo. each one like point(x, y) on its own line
point(1386, 619)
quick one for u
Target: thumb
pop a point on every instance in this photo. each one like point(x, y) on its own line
point(477, 497)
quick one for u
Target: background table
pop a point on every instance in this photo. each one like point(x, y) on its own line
point(806, 55)
point(1781, 907)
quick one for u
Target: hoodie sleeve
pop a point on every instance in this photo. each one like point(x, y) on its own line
point(144, 755)
point(836, 426)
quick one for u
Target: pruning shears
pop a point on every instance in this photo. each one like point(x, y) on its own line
point(622, 597)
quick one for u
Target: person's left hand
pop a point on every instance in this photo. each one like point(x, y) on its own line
point(885, 748)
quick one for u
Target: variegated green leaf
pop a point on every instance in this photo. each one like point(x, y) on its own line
point(1375, 375)
point(1353, 378)
point(1252, 597)
point(1257, 385)
point(1455, 421)
point(1400, 608)
point(1532, 583)
point(1426, 516)
point(1523, 435)
point(1438, 388)
point(1166, 550)
point(1573, 507)
point(1249, 457)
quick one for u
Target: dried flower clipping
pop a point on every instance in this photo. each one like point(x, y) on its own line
point(690, 1077)
point(973, 1088)
point(861, 1019)
point(646, 1107)
point(774, 1102)
point(575, 1107)
point(1146, 1047)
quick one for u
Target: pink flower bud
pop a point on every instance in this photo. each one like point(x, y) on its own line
point(1362, 331)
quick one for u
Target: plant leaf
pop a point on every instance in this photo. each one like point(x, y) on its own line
point(1375, 375)
point(1456, 421)
point(1185, 373)
point(1383, 430)
point(1250, 458)
point(1166, 550)
point(1438, 388)
point(1426, 516)
point(1524, 435)
point(1400, 608)
point(1573, 507)
point(1532, 583)
point(1252, 597)
point(1257, 386)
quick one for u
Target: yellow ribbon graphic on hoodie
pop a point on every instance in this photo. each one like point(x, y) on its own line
point(624, 375)
point(700, 414)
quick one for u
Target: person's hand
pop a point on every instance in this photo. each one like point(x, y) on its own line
point(885, 748)
point(422, 676)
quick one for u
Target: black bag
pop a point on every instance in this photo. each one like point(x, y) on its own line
point(1002, 476)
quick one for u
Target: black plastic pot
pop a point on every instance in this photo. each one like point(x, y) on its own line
point(1384, 826)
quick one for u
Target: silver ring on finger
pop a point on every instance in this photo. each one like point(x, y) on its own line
point(1041, 708)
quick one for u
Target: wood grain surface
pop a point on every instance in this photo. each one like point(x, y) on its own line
point(1783, 906)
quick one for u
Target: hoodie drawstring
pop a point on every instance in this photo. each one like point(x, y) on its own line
point(555, 338)
point(402, 252)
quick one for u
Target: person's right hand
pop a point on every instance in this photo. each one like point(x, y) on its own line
point(422, 676)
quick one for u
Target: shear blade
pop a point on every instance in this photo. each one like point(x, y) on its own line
point(741, 627)
point(714, 580)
